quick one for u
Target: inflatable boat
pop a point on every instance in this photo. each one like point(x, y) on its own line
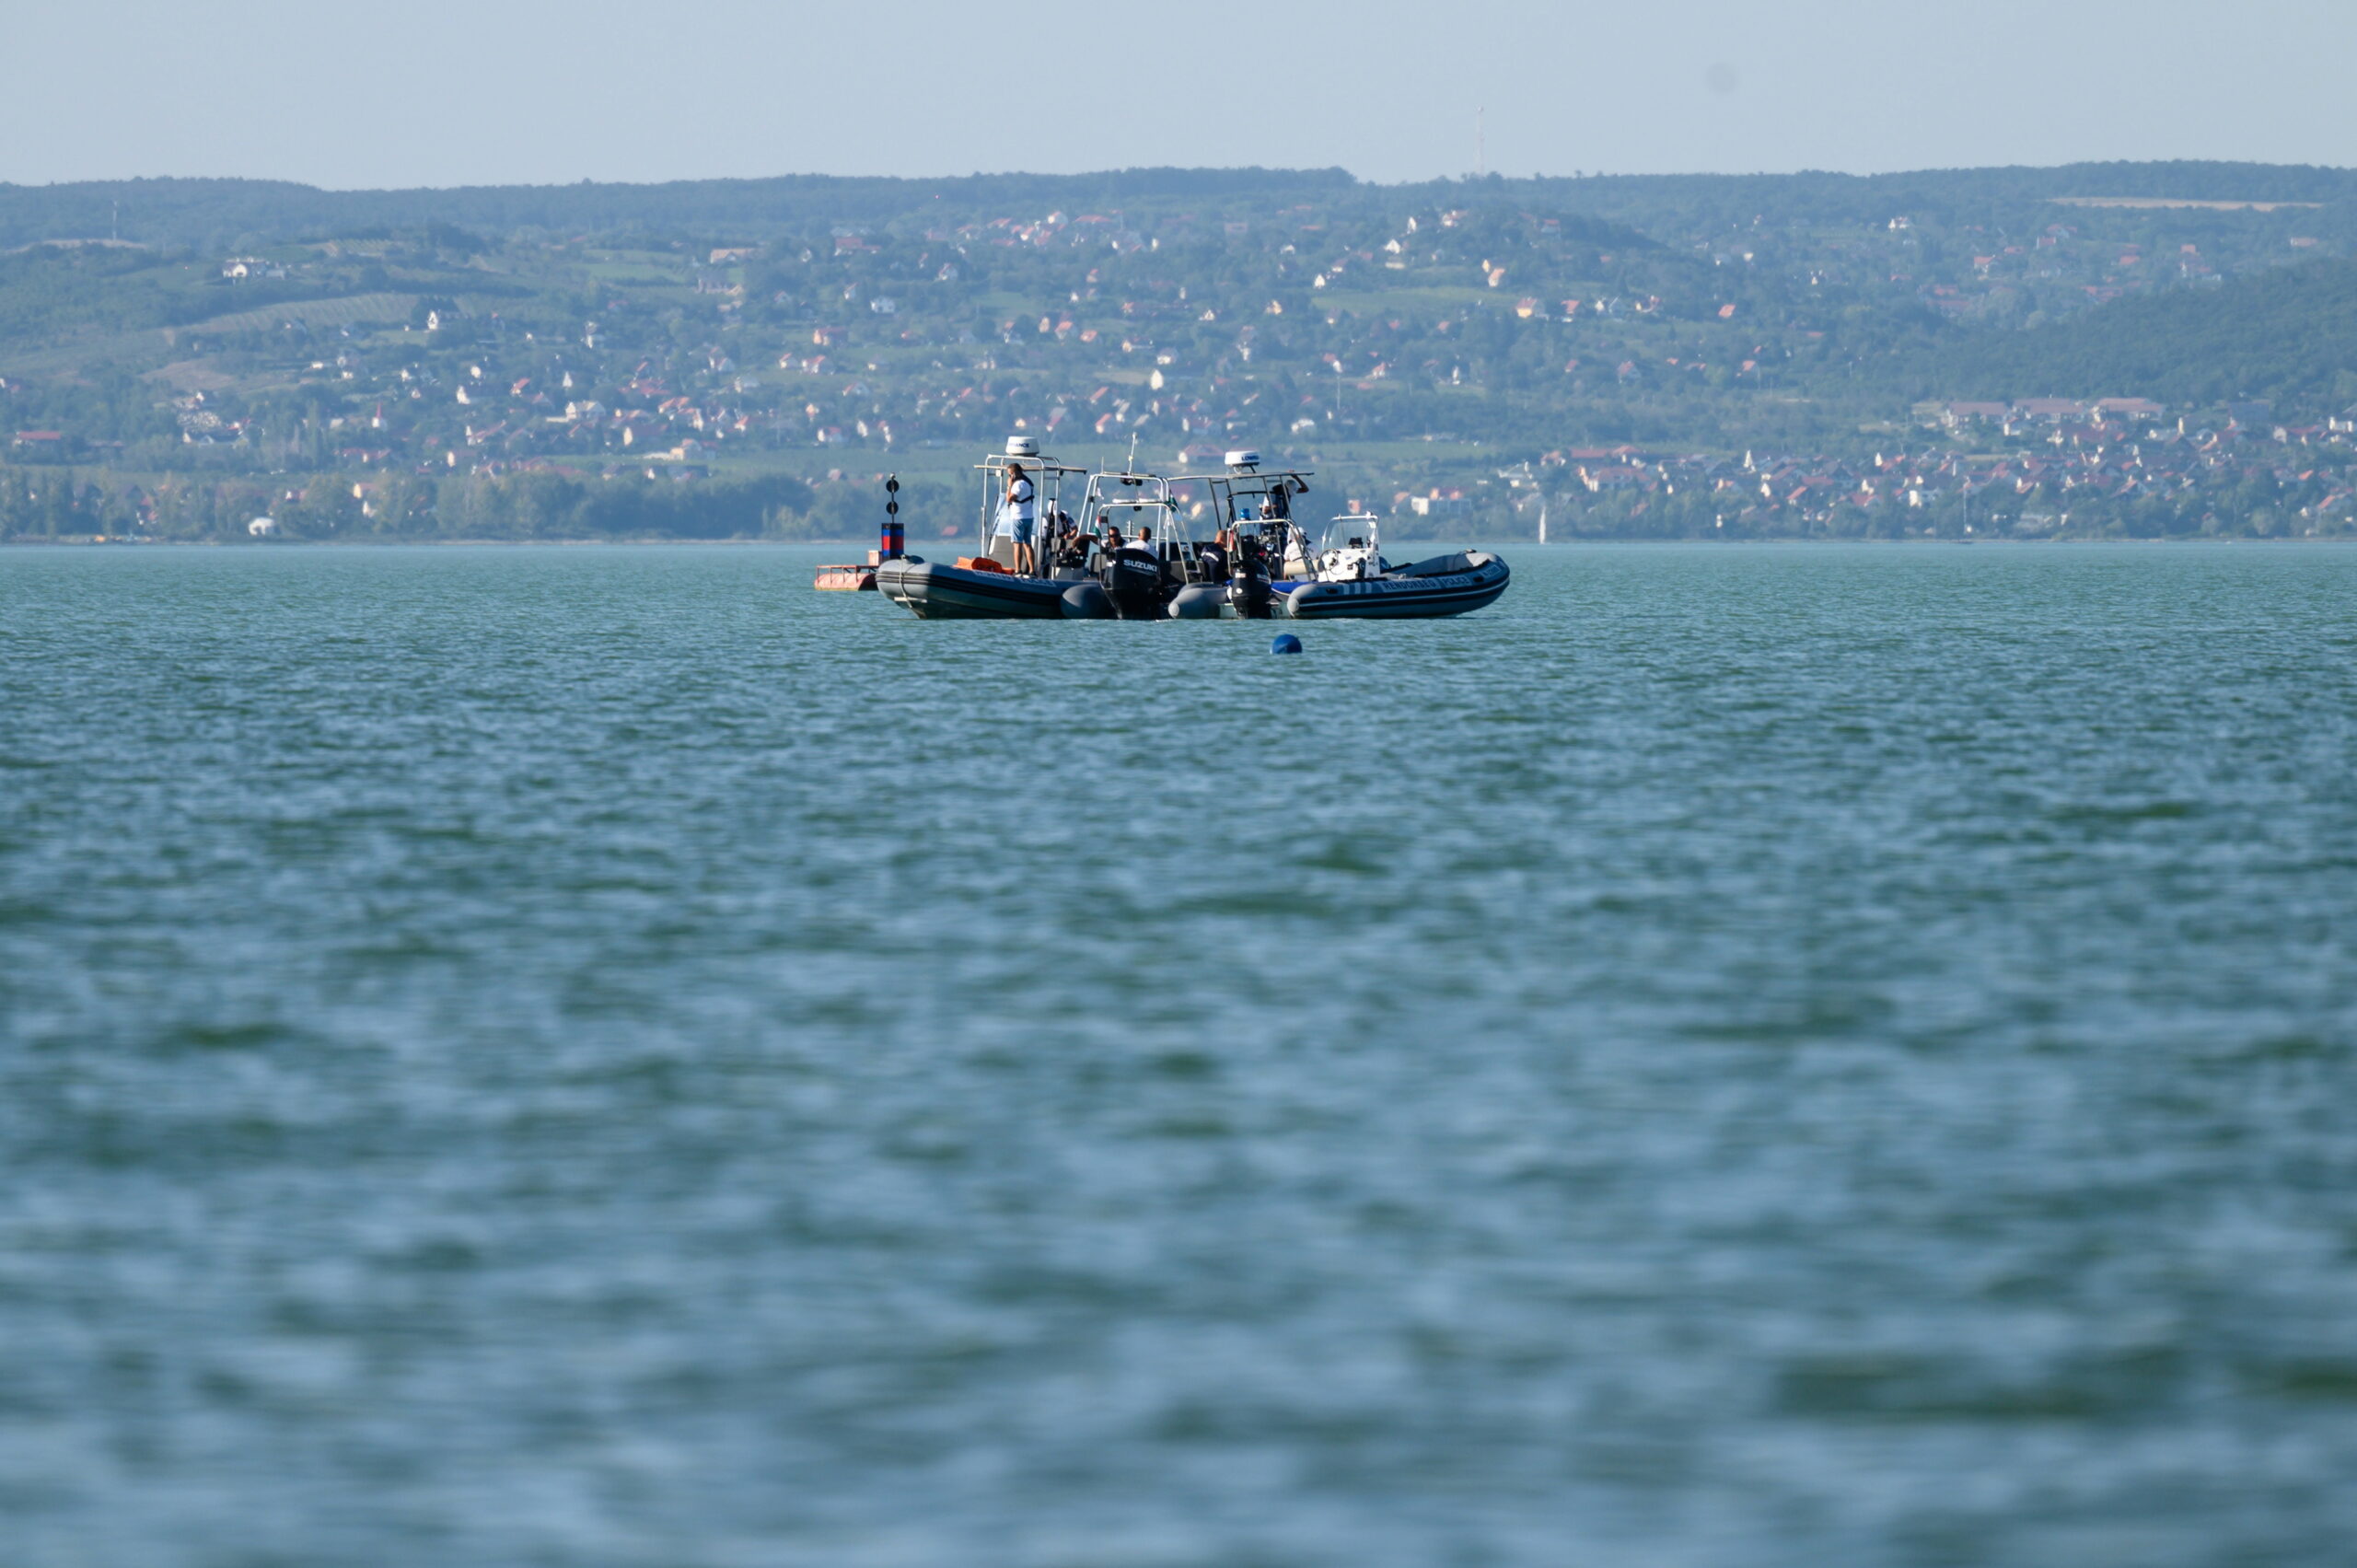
point(991, 586)
point(1446, 585)
point(1129, 555)
point(974, 588)
point(1347, 577)
point(1126, 556)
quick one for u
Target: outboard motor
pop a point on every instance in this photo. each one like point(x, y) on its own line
point(1248, 589)
point(1250, 593)
point(1134, 579)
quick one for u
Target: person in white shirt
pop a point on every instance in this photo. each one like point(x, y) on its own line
point(1016, 519)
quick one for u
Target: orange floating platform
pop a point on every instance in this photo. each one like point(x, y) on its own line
point(845, 579)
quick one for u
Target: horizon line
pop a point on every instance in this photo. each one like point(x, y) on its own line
point(1467, 179)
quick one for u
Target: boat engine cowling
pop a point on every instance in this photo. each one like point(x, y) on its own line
point(1249, 592)
point(1134, 579)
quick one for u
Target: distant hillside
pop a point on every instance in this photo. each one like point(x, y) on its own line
point(2289, 335)
point(1703, 354)
point(1996, 199)
point(220, 214)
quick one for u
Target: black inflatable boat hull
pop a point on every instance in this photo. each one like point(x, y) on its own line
point(1400, 597)
point(939, 592)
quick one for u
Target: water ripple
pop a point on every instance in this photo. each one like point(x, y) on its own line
point(1735, 1056)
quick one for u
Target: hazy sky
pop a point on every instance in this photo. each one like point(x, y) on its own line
point(429, 92)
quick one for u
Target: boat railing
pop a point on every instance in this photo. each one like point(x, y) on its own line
point(1248, 499)
point(1048, 479)
point(1127, 501)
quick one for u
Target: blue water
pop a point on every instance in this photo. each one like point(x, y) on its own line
point(1736, 1056)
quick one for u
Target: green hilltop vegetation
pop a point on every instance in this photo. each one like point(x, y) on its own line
point(2288, 336)
point(2161, 348)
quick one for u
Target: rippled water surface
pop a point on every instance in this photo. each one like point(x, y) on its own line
point(1736, 1056)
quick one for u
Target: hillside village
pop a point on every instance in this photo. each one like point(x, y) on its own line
point(2094, 460)
point(1463, 357)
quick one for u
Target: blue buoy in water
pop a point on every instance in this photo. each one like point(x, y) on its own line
point(1287, 643)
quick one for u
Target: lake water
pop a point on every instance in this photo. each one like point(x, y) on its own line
point(1736, 1056)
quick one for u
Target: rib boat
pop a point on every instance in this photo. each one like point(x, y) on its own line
point(1347, 577)
point(1129, 555)
point(1126, 556)
point(987, 587)
point(974, 588)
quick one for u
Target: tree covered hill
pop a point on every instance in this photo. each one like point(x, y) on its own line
point(2287, 337)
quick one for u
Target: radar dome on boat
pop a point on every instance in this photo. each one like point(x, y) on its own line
point(1023, 446)
point(1246, 459)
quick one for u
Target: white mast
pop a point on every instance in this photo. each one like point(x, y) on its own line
point(1542, 519)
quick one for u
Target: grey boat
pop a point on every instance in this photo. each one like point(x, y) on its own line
point(987, 587)
point(1126, 556)
point(939, 590)
point(1347, 577)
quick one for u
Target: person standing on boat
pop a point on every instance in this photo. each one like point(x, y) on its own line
point(1017, 518)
